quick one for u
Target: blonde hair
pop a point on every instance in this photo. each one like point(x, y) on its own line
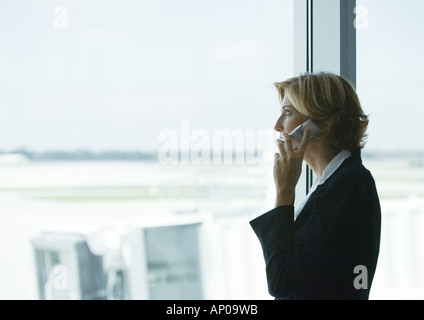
point(332, 103)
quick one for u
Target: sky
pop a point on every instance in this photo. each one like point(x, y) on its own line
point(390, 73)
point(105, 74)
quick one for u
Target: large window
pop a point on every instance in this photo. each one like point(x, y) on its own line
point(389, 65)
point(121, 119)
point(136, 139)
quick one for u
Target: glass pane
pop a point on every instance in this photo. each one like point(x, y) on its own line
point(390, 51)
point(119, 112)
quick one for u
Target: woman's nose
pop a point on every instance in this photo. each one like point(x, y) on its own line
point(278, 126)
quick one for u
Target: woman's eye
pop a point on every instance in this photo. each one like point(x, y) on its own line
point(287, 112)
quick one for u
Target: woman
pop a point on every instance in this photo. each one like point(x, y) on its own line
point(328, 247)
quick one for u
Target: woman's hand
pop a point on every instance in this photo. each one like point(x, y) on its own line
point(287, 168)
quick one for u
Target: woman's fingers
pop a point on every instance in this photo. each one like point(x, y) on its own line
point(286, 147)
point(281, 147)
point(288, 143)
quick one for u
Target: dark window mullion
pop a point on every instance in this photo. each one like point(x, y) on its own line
point(309, 68)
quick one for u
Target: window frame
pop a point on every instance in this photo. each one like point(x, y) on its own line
point(328, 27)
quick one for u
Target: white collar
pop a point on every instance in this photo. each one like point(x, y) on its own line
point(328, 172)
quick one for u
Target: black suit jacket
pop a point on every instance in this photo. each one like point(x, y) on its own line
point(338, 229)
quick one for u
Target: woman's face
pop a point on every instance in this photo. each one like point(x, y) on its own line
point(290, 118)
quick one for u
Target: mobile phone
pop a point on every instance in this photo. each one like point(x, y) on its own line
point(297, 134)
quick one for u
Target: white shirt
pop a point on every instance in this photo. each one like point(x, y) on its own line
point(329, 170)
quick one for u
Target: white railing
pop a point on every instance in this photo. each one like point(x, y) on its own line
point(400, 267)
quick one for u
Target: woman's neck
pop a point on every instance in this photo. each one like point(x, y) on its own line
point(318, 156)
